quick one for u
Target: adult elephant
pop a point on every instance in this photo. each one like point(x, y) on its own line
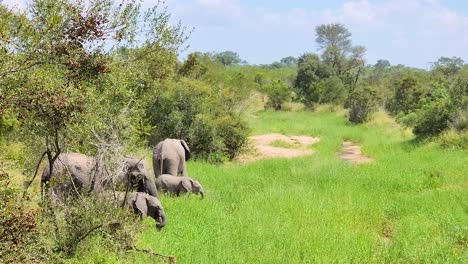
point(83, 172)
point(170, 156)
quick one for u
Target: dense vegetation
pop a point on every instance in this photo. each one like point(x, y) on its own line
point(105, 80)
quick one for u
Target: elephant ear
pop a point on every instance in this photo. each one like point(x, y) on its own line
point(141, 204)
point(186, 185)
point(186, 149)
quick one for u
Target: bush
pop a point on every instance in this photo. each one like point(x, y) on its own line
point(201, 114)
point(363, 102)
point(19, 235)
point(434, 114)
point(406, 96)
point(332, 90)
point(454, 139)
point(278, 93)
point(77, 219)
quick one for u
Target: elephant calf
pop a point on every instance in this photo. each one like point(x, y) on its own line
point(176, 185)
point(145, 205)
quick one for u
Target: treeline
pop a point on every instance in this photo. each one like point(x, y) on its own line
point(429, 102)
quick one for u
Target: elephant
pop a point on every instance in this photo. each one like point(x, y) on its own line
point(170, 156)
point(176, 185)
point(144, 205)
point(81, 168)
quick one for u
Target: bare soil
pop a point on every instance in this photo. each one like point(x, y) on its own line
point(352, 153)
point(263, 148)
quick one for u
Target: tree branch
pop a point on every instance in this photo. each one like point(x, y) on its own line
point(28, 183)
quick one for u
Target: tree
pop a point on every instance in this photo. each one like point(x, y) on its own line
point(332, 90)
point(289, 61)
point(406, 96)
point(382, 64)
point(335, 43)
point(227, 58)
point(448, 67)
point(193, 66)
point(345, 60)
point(310, 71)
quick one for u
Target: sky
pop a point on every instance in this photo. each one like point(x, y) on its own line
point(410, 32)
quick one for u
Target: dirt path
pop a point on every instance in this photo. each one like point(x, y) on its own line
point(295, 146)
point(352, 153)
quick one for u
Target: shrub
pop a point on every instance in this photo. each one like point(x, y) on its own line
point(332, 90)
point(19, 235)
point(454, 139)
point(434, 114)
point(278, 93)
point(406, 96)
point(363, 101)
point(201, 114)
point(77, 219)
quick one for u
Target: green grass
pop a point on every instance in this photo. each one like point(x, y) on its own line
point(409, 206)
point(284, 144)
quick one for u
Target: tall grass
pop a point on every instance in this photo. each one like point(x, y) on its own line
point(410, 205)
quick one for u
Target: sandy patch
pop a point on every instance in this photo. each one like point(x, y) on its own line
point(352, 153)
point(263, 148)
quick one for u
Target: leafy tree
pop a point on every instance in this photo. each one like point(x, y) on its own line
point(407, 93)
point(448, 67)
point(382, 64)
point(435, 112)
point(202, 114)
point(289, 61)
point(332, 90)
point(227, 58)
point(310, 71)
point(193, 67)
point(345, 60)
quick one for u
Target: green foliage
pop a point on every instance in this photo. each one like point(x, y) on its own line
point(406, 96)
point(447, 67)
point(434, 114)
point(201, 114)
point(19, 236)
point(331, 90)
point(310, 71)
point(345, 60)
point(278, 93)
point(363, 102)
point(227, 58)
point(454, 139)
point(193, 67)
point(88, 216)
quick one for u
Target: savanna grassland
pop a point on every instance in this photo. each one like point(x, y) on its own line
point(408, 206)
point(106, 79)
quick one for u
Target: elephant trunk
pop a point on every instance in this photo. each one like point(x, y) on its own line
point(161, 220)
point(202, 193)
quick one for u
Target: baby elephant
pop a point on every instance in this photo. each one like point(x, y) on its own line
point(145, 205)
point(177, 185)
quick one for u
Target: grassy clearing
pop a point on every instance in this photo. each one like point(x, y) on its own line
point(408, 206)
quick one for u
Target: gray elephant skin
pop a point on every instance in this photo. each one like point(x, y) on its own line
point(176, 185)
point(145, 205)
point(79, 168)
point(170, 156)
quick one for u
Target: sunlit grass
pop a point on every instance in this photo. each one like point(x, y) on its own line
point(408, 206)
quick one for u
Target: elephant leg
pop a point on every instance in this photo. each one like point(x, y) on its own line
point(171, 168)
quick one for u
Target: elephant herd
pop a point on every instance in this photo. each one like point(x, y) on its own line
point(74, 172)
